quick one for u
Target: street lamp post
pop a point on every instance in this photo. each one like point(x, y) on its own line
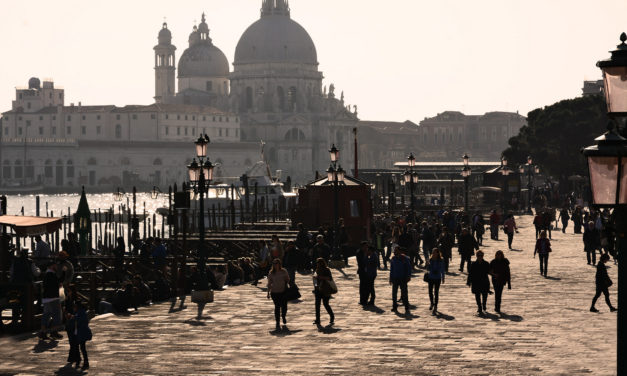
point(607, 166)
point(505, 171)
point(531, 171)
point(335, 174)
point(466, 172)
point(199, 175)
point(411, 177)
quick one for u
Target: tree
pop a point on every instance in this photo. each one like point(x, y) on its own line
point(554, 135)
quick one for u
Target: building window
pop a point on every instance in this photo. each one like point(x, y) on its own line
point(83, 130)
point(41, 131)
point(209, 86)
point(354, 206)
point(185, 117)
point(48, 169)
point(166, 116)
point(118, 131)
point(69, 171)
point(134, 116)
point(227, 119)
point(28, 105)
point(220, 132)
point(97, 117)
point(194, 117)
point(214, 118)
point(185, 131)
point(178, 117)
point(220, 119)
point(18, 169)
point(204, 131)
point(98, 129)
point(167, 131)
point(83, 117)
point(41, 118)
point(28, 123)
point(153, 116)
point(68, 130)
point(29, 169)
point(6, 170)
point(204, 118)
point(237, 133)
point(178, 131)
point(54, 117)
point(69, 118)
point(53, 130)
point(193, 131)
point(6, 131)
point(19, 131)
point(227, 132)
point(19, 118)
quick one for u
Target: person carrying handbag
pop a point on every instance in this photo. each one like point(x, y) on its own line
point(543, 247)
point(324, 287)
point(278, 280)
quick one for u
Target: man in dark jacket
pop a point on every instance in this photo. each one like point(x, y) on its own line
point(367, 265)
point(591, 242)
point(603, 282)
point(400, 275)
point(321, 249)
point(51, 303)
point(479, 282)
point(446, 241)
point(467, 246)
point(428, 241)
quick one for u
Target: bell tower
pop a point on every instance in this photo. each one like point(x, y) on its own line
point(165, 66)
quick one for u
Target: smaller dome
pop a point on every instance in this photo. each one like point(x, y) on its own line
point(203, 59)
point(194, 37)
point(34, 83)
point(165, 36)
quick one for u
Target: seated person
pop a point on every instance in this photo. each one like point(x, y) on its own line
point(143, 294)
point(236, 274)
point(220, 276)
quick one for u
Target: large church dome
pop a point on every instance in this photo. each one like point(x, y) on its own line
point(202, 58)
point(275, 37)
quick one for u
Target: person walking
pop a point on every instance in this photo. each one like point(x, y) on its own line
point(291, 260)
point(495, 221)
point(543, 247)
point(278, 279)
point(79, 333)
point(367, 265)
point(591, 241)
point(52, 304)
point(323, 289)
point(428, 240)
point(479, 282)
point(510, 227)
point(400, 275)
point(565, 217)
point(436, 274)
point(603, 282)
point(501, 275)
point(446, 241)
point(466, 248)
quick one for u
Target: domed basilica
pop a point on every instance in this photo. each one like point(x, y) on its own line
point(275, 88)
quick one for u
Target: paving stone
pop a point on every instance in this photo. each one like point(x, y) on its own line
point(547, 331)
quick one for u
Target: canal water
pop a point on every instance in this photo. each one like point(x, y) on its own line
point(59, 205)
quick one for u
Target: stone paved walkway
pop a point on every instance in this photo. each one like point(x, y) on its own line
point(547, 330)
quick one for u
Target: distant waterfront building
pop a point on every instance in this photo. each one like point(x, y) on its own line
point(274, 96)
point(592, 88)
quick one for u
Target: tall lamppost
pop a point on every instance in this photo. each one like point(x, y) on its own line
point(466, 172)
point(199, 175)
point(335, 174)
point(505, 171)
point(530, 170)
point(607, 166)
point(411, 177)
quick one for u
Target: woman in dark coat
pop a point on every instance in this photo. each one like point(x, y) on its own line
point(479, 281)
point(79, 333)
point(591, 242)
point(603, 282)
point(322, 276)
point(500, 272)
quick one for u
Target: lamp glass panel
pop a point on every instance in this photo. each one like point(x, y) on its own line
point(411, 160)
point(622, 198)
point(193, 174)
point(615, 88)
point(330, 176)
point(415, 178)
point(154, 194)
point(603, 179)
point(340, 175)
point(201, 149)
point(407, 176)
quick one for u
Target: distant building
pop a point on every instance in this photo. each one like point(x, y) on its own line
point(592, 88)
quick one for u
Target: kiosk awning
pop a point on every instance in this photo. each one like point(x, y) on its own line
point(31, 226)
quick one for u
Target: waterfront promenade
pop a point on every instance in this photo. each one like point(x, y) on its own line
point(546, 329)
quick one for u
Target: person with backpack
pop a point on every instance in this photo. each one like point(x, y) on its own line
point(543, 248)
point(501, 275)
point(510, 227)
point(435, 276)
point(479, 281)
point(400, 275)
point(602, 282)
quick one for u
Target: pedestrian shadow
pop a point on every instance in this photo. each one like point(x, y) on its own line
point(202, 318)
point(284, 332)
point(329, 329)
point(407, 315)
point(43, 346)
point(452, 274)
point(296, 301)
point(68, 370)
point(514, 318)
point(515, 250)
point(444, 316)
point(554, 278)
point(489, 316)
point(176, 309)
point(194, 322)
point(373, 308)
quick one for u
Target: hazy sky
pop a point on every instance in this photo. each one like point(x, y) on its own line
point(395, 59)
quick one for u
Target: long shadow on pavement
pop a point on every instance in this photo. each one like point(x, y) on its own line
point(284, 332)
point(42, 346)
point(501, 316)
point(328, 329)
point(444, 316)
point(68, 370)
point(554, 278)
point(373, 308)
